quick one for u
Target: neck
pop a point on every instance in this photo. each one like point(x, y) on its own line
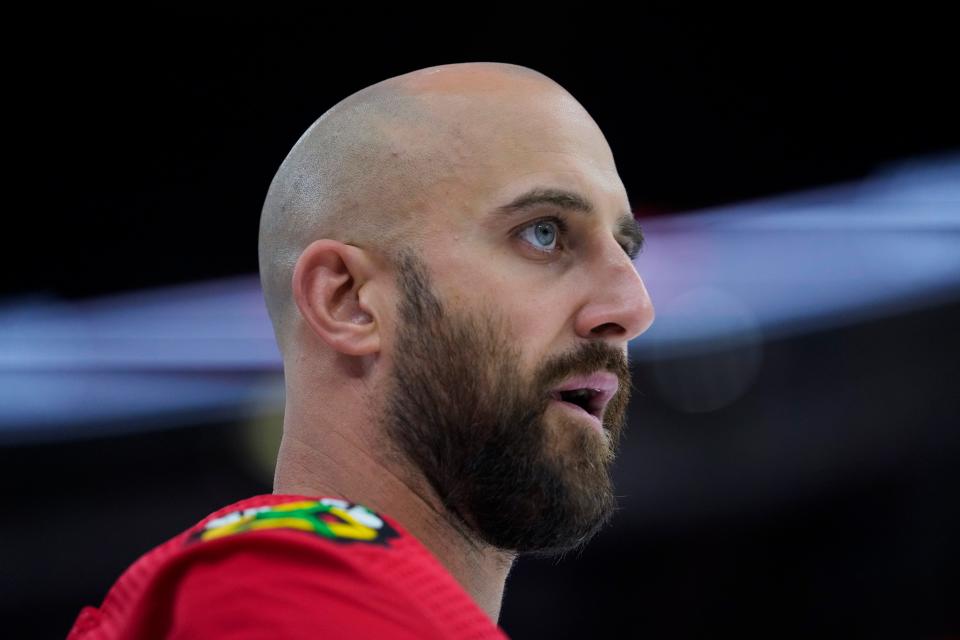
point(337, 462)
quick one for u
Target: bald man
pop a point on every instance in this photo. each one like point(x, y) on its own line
point(447, 260)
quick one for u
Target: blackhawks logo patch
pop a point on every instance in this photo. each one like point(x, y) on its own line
point(329, 518)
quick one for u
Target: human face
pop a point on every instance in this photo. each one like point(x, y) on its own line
point(480, 429)
point(526, 279)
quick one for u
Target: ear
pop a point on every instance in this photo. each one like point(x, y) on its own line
point(331, 284)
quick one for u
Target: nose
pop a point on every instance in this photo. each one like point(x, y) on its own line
point(617, 305)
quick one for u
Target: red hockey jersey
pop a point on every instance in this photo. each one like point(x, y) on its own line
point(280, 566)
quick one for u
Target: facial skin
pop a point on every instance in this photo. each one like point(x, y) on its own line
point(515, 479)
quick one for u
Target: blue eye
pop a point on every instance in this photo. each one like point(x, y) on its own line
point(544, 234)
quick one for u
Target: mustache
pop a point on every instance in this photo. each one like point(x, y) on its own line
point(586, 359)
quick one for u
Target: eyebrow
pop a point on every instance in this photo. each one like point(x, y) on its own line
point(572, 201)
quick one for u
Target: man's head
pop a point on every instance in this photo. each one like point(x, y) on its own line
point(450, 247)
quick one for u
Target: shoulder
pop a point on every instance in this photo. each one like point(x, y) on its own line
point(296, 568)
point(299, 543)
point(275, 566)
point(293, 536)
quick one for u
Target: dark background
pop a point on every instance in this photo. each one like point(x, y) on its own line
point(823, 501)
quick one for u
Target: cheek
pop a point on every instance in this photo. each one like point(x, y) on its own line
point(533, 299)
point(538, 318)
point(455, 273)
point(539, 335)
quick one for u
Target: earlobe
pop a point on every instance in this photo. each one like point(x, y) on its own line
point(327, 284)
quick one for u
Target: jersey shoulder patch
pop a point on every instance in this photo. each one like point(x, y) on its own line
point(329, 518)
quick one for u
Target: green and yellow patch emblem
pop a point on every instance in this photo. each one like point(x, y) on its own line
point(328, 518)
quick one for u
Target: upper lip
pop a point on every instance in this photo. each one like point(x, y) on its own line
point(604, 386)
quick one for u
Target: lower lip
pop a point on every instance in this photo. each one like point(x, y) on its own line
point(581, 412)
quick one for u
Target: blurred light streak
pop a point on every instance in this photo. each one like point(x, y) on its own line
point(804, 263)
point(737, 275)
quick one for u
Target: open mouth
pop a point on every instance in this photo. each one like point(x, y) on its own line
point(587, 393)
point(583, 398)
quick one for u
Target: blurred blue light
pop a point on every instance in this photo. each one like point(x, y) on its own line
point(803, 263)
point(734, 275)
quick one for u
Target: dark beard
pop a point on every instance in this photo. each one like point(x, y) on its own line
point(461, 411)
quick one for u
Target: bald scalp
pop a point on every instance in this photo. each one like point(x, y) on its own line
point(362, 172)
